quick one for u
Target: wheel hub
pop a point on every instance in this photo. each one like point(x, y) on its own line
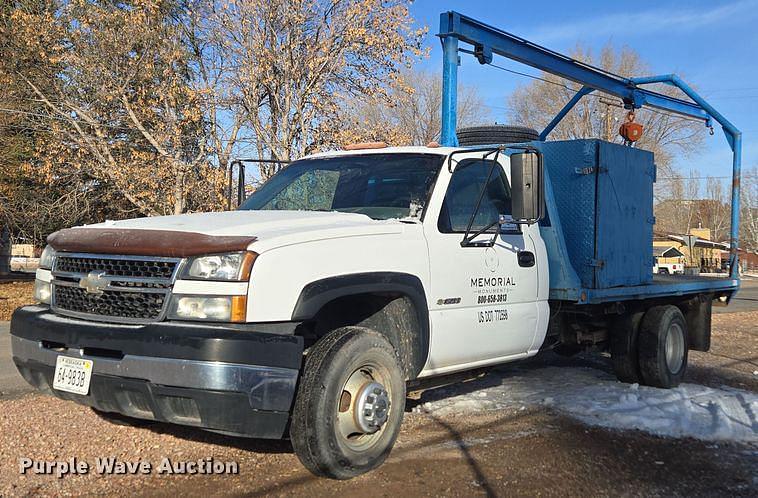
point(675, 348)
point(371, 407)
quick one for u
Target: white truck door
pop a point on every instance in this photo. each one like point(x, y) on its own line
point(483, 301)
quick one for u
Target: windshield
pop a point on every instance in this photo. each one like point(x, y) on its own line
point(381, 186)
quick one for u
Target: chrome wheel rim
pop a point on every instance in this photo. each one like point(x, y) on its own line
point(363, 407)
point(675, 348)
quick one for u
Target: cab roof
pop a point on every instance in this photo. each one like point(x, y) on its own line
point(415, 149)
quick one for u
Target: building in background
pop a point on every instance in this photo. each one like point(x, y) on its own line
point(705, 255)
point(748, 260)
point(24, 258)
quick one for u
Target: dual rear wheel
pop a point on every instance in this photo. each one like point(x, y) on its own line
point(651, 348)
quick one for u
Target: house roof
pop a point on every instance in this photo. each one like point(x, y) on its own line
point(666, 252)
point(700, 242)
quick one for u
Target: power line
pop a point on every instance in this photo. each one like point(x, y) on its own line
point(500, 108)
point(531, 76)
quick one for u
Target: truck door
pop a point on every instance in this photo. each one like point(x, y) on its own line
point(483, 302)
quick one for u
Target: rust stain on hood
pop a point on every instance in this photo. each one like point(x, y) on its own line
point(138, 242)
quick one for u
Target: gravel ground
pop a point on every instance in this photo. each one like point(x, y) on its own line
point(13, 295)
point(513, 452)
point(733, 358)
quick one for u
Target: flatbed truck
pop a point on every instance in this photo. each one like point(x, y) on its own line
point(352, 276)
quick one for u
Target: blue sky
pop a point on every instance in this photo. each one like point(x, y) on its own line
point(712, 44)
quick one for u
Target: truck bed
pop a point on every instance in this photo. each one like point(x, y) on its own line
point(661, 286)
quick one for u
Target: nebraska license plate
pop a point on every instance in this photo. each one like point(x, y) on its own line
point(72, 375)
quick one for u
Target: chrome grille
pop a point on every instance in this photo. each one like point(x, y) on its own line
point(127, 289)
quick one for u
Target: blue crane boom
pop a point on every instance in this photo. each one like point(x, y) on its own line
point(486, 40)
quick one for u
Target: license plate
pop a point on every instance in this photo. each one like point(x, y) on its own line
point(72, 375)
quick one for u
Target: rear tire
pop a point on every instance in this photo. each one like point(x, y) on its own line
point(349, 373)
point(663, 347)
point(624, 348)
point(496, 134)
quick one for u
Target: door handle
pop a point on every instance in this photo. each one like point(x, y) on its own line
point(526, 259)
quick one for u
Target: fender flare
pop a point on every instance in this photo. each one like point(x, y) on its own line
point(317, 294)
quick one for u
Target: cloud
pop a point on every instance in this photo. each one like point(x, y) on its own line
point(669, 19)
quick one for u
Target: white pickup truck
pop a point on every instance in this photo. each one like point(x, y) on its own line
point(668, 268)
point(345, 278)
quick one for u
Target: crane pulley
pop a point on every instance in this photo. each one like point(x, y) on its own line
point(630, 130)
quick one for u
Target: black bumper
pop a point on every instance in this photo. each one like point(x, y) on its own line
point(229, 380)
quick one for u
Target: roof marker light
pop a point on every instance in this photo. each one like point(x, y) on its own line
point(366, 145)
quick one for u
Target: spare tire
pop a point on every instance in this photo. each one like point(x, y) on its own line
point(496, 134)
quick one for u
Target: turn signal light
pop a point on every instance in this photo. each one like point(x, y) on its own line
point(239, 309)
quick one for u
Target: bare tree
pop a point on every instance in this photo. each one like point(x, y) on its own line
point(714, 213)
point(678, 211)
point(296, 60)
point(33, 202)
point(749, 210)
point(410, 115)
point(213, 77)
point(116, 95)
point(599, 115)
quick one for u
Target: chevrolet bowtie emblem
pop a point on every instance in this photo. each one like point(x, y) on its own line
point(94, 282)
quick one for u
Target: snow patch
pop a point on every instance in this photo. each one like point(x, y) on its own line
point(597, 398)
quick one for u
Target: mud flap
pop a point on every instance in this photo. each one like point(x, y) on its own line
point(697, 313)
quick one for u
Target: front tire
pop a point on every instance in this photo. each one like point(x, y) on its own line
point(349, 404)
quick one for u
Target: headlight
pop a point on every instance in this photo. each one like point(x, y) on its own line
point(42, 291)
point(47, 258)
point(227, 267)
point(210, 308)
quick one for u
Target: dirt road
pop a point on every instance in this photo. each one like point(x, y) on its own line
point(510, 453)
point(516, 451)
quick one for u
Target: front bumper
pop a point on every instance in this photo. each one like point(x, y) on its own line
point(212, 377)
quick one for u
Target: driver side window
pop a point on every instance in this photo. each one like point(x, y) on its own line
point(463, 192)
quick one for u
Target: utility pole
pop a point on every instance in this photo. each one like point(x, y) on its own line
point(608, 135)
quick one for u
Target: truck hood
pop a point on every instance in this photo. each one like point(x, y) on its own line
point(269, 228)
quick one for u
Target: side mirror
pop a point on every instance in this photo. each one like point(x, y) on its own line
point(527, 188)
